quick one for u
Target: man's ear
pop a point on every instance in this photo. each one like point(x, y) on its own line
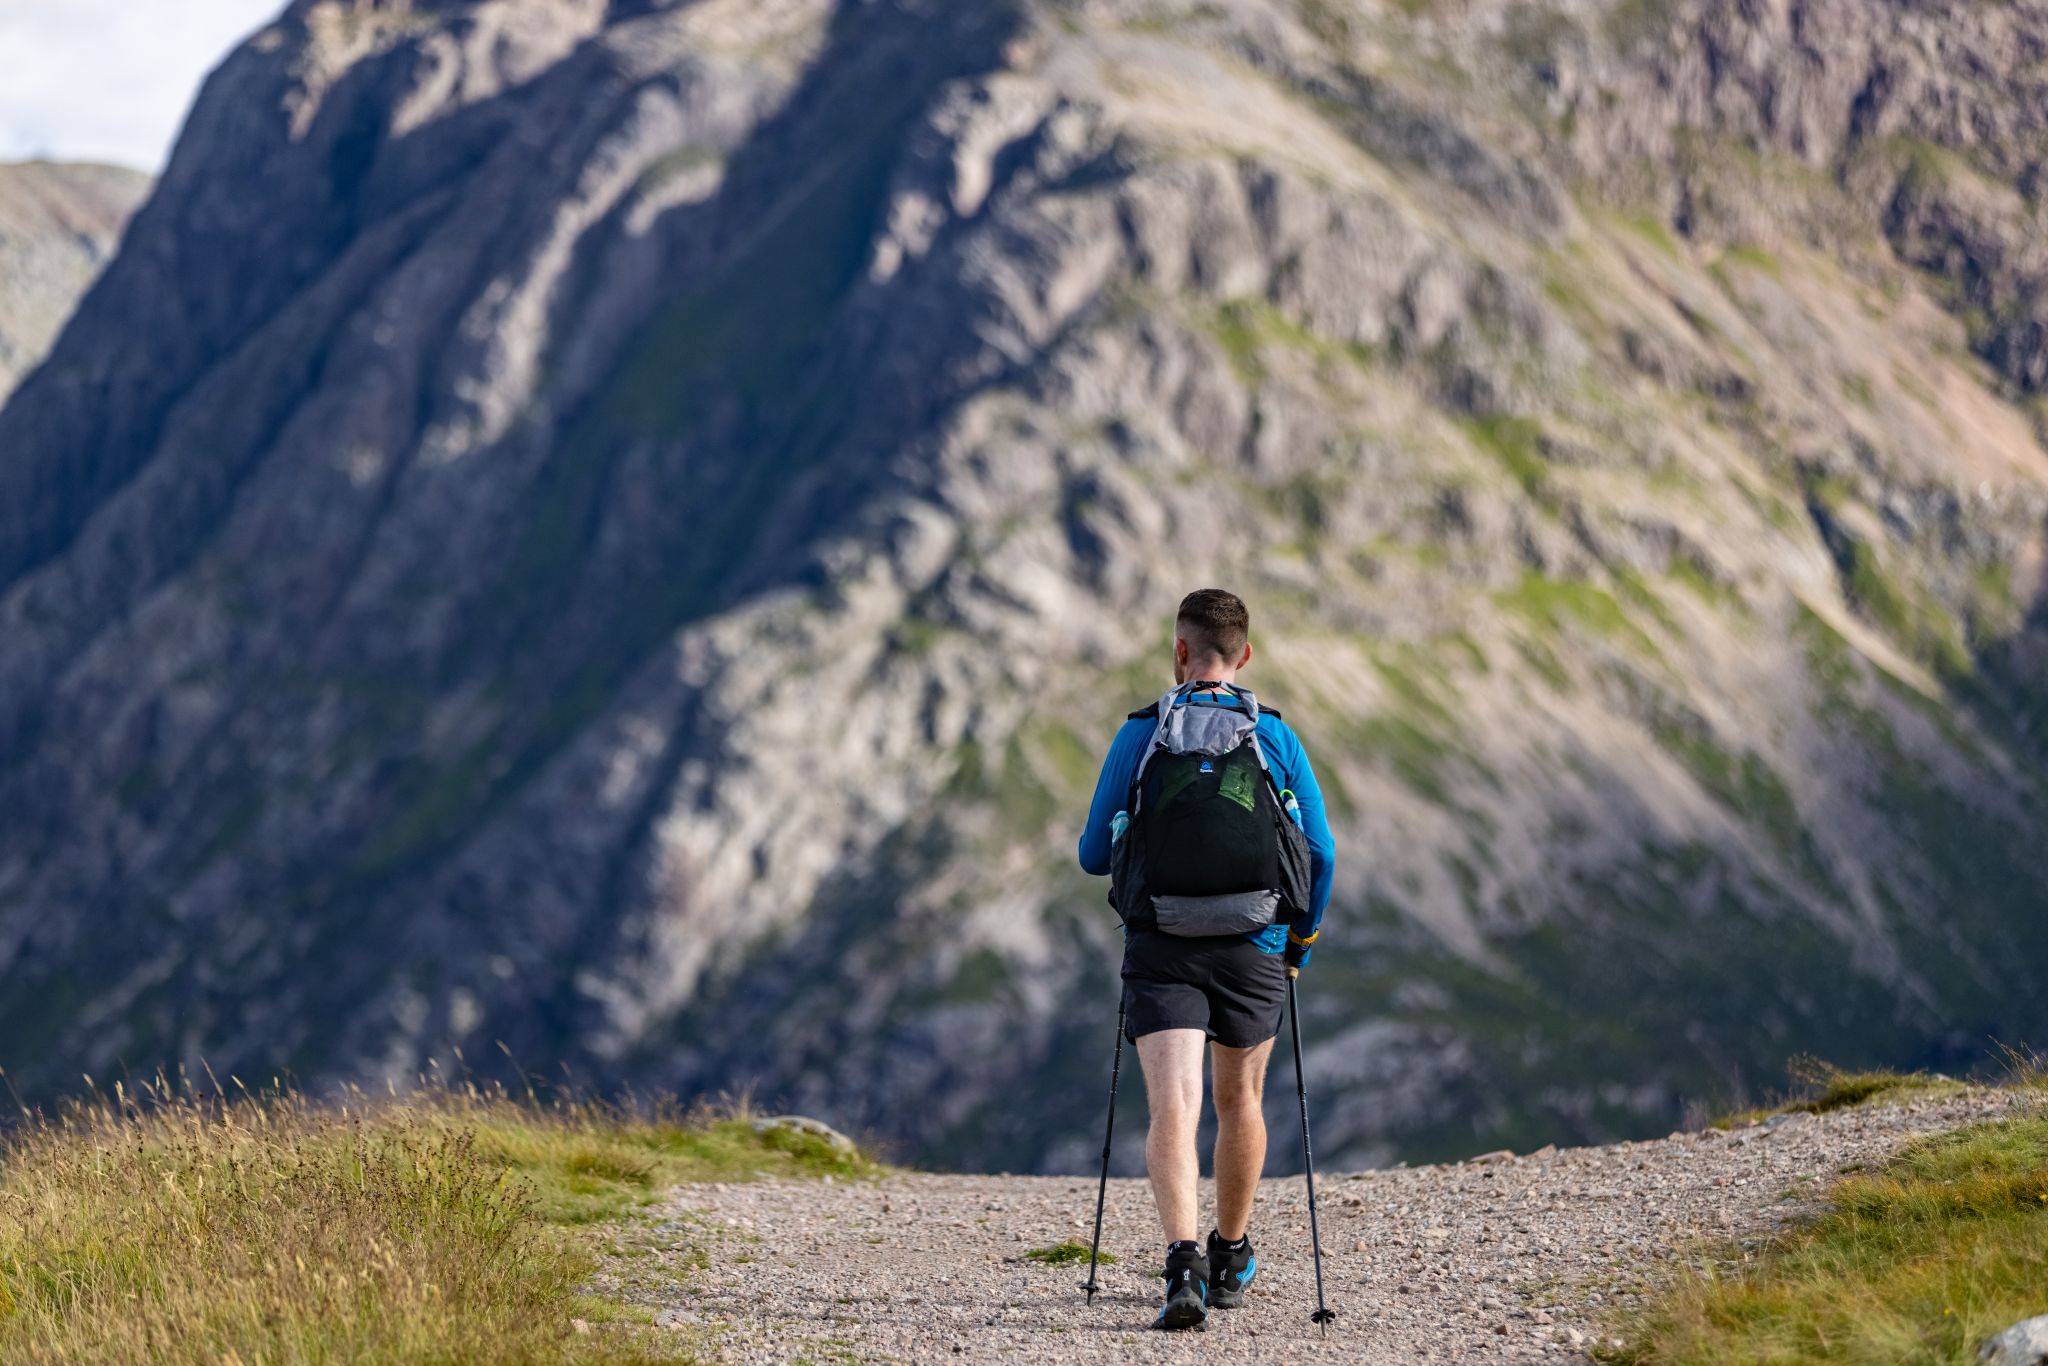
point(1245, 660)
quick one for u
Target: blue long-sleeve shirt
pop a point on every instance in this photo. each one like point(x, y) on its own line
point(1291, 769)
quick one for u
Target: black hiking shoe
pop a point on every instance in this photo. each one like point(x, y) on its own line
point(1231, 1266)
point(1187, 1284)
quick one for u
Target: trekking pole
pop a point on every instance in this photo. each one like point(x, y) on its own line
point(1321, 1318)
point(1108, 1131)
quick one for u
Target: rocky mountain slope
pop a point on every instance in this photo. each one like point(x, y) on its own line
point(59, 223)
point(622, 530)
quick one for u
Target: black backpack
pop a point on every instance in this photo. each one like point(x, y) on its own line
point(1210, 848)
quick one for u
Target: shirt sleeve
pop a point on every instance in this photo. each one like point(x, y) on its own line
point(1296, 773)
point(1112, 789)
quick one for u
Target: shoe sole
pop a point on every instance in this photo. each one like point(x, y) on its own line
point(1226, 1299)
point(1176, 1317)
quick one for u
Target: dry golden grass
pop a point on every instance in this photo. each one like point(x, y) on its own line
point(454, 1227)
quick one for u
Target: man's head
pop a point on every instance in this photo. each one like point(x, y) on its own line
point(1211, 637)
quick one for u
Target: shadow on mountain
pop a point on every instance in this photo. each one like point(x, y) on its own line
point(745, 415)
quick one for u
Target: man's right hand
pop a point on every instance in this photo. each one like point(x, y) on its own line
point(1296, 955)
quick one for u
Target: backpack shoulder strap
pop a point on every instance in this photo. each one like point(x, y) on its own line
point(1161, 713)
point(1254, 710)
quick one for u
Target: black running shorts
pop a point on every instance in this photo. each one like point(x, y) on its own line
point(1223, 986)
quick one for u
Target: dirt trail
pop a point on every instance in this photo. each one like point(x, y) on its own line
point(1503, 1260)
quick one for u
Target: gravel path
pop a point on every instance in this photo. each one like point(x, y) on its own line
point(1501, 1259)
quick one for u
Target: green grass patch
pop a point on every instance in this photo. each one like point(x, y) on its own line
point(1245, 327)
point(1517, 442)
point(1559, 605)
point(1639, 593)
point(1074, 764)
point(1911, 617)
point(1872, 590)
point(1916, 1262)
point(1015, 780)
point(1414, 735)
point(1066, 1254)
point(1403, 670)
point(1416, 757)
point(1544, 661)
point(1855, 1088)
point(1467, 651)
point(1830, 658)
point(1994, 606)
point(916, 635)
point(1236, 330)
point(454, 1227)
point(1914, 618)
point(1744, 783)
point(1831, 1088)
point(1655, 232)
point(1755, 258)
point(587, 1165)
point(1695, 578)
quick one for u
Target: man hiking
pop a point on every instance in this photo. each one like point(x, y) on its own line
point(1208, 820)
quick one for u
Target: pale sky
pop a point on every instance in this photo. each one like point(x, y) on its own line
point(110, 80)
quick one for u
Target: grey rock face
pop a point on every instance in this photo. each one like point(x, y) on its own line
point(623, 531)
point(2023, 1344)
point(59, 224)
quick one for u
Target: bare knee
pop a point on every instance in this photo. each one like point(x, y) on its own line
point(1176, 1106)
point(1240, 1085)
point(1173, 1077)
point(1239, 1106)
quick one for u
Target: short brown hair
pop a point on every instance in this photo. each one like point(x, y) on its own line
point(1214, 622)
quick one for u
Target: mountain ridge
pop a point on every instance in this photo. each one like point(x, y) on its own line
point(59, 224)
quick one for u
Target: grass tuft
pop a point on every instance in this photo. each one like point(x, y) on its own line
point(1065, 1254)
point(1854, 1088)
point(179, 1228)
point(1831, 1088)
point(1917, 1262)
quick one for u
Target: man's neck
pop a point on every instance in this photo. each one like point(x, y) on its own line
point(1214, 673)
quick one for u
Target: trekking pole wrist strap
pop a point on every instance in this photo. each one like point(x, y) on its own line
point(1294, 938)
